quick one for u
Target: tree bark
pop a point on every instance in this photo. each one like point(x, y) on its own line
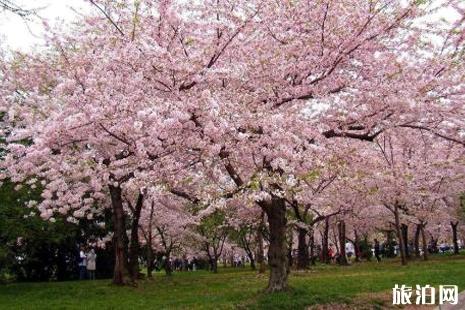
point(423, 241)
point(213, 265)
point(260, 251)
point(252, 263)
point(150, 254)
point(404, 230)
point(290, 259)
point(277, 252)
point(231, 259)
point(357, 246)
point(400, 236)
point(168, 270)
point(149, 260)
point(247, 248)
point(134, 245)
point(311, 244)
point(417, 240)
point(342, 242)
point(324, 242)
point(454, 236)
point(302, 249)
point(120, 273)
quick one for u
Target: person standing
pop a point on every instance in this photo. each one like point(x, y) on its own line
point(82, 264)
point(330, 254)
point(91, 264)
point(377, 250)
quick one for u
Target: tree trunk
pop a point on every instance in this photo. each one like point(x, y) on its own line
point(260, 252)
point(121, 273)
point(399, 236)
point(134, 246)
point(302, 249)
point(168, 269)
point(454, 236)
point(150, 256)
point(231, 259)
point(342, 242)
point(277, 252)
point(417, 241)
point(290, 259)
point(149, 260)
point(404, 230)
point(358, 253)
point(336, 239)
point(311, 244)
point(213, 265)
point(423, 241)
point(248, 251)
point(324, 243)
point(252, 263)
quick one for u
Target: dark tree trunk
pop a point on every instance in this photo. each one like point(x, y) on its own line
point(260, 251)
point(252, 263)
point(168, 269)
point(311, 244)
point(434, 244)
point(248, 251)
point(404, 230)
point(342, 242)
point(121, 273)
point(336, 239)
point(302, 249)
point(150, 258)
point(417, 240)
point(277, 252)
point(150, 254)
point(423, 241)
point(454, 236)
point(290, 260)
point(399, 236)
point(213, 265)
point(324, 243)
point(134, 246)
point(358, 253)
point(365, 240)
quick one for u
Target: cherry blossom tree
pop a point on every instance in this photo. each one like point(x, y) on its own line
point(240, 93)
point(166, 227)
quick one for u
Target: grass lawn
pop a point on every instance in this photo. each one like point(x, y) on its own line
point(366, 285)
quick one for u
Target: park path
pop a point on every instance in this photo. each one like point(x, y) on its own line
point(459, 306)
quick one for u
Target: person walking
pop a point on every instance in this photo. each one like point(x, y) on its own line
point(82, 264)
point(377, 250)
point(91, 264)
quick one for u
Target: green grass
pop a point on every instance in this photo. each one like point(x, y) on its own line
point(240, 288)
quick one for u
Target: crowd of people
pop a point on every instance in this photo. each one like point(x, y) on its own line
point(182, 264)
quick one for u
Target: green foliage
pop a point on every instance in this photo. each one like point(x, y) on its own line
point(32, 249)
point(421, 2)
point(213, 227)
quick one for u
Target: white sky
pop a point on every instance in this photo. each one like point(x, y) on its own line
point(15, 33)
